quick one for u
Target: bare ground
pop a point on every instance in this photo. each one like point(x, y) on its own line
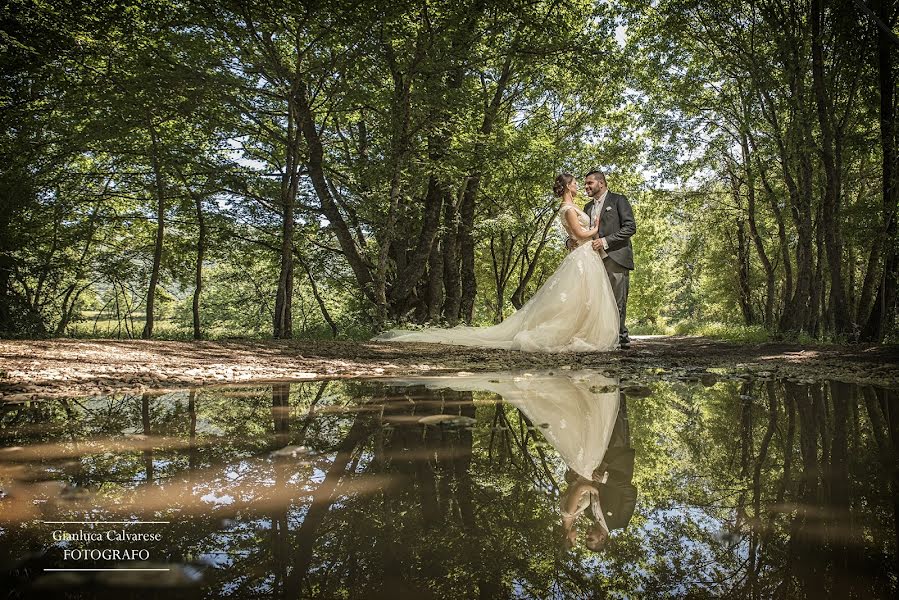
point(34, 369)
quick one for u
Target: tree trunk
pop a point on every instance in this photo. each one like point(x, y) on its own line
point(435, 278)
point(802, 215)
point(282, 326)
point(411, 274)
point(782, 237)
point(329, 207)
point(159, 188)
point(500, 266)
point(470, 195)
point(451, 274)
point(883, 315)
point(198, 271)
point(756, 238)
point(743, 274)
point(517, 298)
point(319, 300)
point(833, 182)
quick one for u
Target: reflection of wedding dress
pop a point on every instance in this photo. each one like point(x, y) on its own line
point(574, 310)
point(574, 411)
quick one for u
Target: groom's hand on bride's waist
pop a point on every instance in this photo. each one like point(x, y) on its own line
point(571, 244)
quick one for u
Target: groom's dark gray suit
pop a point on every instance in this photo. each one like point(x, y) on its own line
point(617, 225)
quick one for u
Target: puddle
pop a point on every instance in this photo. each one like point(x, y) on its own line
point(455, 487)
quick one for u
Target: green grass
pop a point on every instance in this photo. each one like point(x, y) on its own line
point(169, 329)
point(746, 334)
point(753, 334)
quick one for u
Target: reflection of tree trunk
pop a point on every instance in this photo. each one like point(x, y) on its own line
point(310, 412)
point(745, 449)
point(481, 565)
point(145, 420)
point(884, 418)
point(891, 406)
point(823, 425)
point(789, 442)
point(192, 412)
point(425, 479)
point(280, 416)
point(757, 490)
point(803, 550)
point(282, 469)
point(322, 499)
point(838, 477)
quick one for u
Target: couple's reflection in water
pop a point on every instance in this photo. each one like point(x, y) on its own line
point(583, 416)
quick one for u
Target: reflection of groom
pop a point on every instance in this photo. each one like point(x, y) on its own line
point(613, 242)
point(613, 478)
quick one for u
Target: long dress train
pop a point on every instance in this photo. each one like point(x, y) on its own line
point(574, 310)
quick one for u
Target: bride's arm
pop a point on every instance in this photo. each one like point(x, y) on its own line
point(574, 227)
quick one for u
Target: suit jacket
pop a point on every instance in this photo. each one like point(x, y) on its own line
point(618, 495)
point(617, 225)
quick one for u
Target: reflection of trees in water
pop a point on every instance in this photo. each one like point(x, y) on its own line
point(803, 476)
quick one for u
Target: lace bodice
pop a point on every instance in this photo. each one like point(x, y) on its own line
point(582, 218)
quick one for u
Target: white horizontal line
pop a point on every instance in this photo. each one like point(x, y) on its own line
point(103, 522)
point(107, 569)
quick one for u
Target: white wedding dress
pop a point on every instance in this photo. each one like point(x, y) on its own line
point(574, 310)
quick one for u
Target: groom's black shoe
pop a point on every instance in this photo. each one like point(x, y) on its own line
point(624, 343)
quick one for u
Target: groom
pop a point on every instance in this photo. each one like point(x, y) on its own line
point(613, 242)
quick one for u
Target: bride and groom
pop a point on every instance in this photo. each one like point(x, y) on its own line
point(582, 305)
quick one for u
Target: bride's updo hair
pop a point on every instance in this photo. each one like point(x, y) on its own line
point(561, 184)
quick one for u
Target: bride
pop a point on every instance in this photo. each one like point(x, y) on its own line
point(574, 310)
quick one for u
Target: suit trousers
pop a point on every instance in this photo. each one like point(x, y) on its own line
point(619, 277)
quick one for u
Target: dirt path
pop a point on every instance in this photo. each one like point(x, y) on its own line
point(31, 369)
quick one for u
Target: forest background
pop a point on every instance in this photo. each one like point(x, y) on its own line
point(315, 169)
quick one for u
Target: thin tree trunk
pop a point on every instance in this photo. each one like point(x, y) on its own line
point(198, 271)
point(743, 274)
point(517, 297)
point(756, 238)
point(159, 188)
point(435, 278)
point(782, 237)
point(451, 274)
point(319, 299)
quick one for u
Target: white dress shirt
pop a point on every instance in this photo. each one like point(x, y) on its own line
point(597, 210)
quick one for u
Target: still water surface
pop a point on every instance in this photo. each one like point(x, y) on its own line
point(453, 487)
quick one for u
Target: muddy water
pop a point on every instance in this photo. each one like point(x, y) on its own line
point(454, 487)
